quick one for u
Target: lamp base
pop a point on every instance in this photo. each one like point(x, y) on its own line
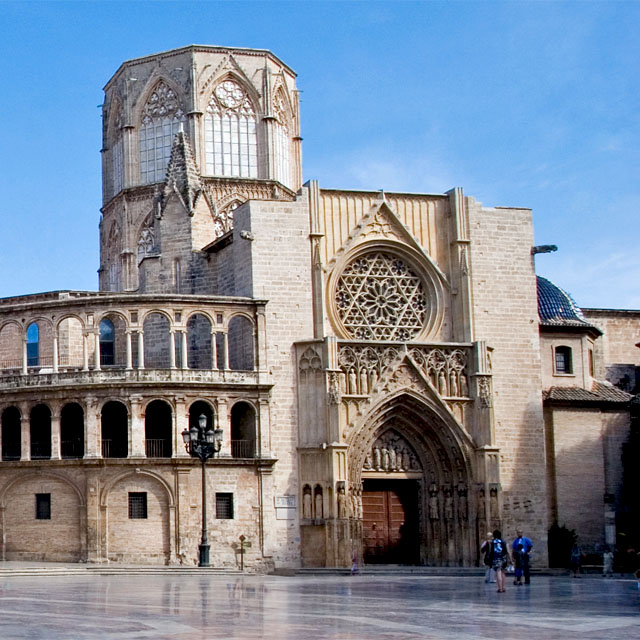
point(204, 555)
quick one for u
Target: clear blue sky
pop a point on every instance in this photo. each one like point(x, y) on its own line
point(531, 104)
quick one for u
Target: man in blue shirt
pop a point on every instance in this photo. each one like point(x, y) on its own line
point(527, 546)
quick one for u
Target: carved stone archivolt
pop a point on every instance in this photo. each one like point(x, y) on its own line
point(391, 453)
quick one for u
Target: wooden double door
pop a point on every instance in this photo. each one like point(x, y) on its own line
point(390, 522)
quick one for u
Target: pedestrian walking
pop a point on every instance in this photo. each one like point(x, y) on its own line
point(527, 547)
point(487, 557)
point(500, 559)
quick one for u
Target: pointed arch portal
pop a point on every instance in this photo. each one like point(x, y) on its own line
point(410, 470)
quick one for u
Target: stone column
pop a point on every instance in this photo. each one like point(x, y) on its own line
point(172, 349)
point(129, 351)
point(140, 349)
point(137, 441)
point(25, 432)
point(225, 425)
point(225, 351)
point(25, 369)
point(85, 353)
point(55, 434)
point(92, 430)
point(55, 353)
point(181, 423)
point(96, 337)
point(185, 362)
point(214, 351)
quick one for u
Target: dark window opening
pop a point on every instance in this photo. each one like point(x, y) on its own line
point(137, 505)
point(563, 360)
point(107, 342)
point(224, 506)
point(43, 506)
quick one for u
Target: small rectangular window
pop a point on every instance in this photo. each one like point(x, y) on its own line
point(43, 506)
point(563, 360)
point(592, 368)
point(224, 506)
point(137, 505)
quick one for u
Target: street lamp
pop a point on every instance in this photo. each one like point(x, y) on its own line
point(203, 443)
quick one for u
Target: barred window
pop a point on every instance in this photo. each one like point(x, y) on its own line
point(564, 363)
point(137, 505)
point(224, 506)
point(43, 506)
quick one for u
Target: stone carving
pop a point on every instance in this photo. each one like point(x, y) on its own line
point(342, 501)
point(379, 226)
point(146, 240)
point(434, 510)
point(391, 453)
point(319, 510)
point(334, 388)
point(162, 103)
point(493, 503)
point(484, 391)
point(306, 502)
point(463, 507)
point(364, 365)
point(223, 218)
point(379, 297)
point(310, 363)
point(448, 504)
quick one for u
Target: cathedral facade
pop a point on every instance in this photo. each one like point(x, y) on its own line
point(385, 368)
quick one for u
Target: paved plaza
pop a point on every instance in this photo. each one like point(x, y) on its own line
point(158, 607)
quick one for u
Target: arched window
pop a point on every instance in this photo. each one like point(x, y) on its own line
point(40, 430)
point(115, 430)
point(198, 408)
point(563, 360)
point(282, 140)
point(107, 342)
point(243, 430)
point(158, 427)
point(230, 132)
point(72, 431)
point(11, 434)
point(161, 118)
point(199, 353)
point(240, 336)
point(33, 345)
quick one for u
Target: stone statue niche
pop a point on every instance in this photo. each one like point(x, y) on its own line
point(318, 503)
point(391, 453)
point(307, 503)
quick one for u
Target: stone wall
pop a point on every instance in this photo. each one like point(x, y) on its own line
point(505, 315)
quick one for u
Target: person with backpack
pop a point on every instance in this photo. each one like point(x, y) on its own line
point(500, 559)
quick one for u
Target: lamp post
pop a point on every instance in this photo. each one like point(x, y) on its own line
point(203, 443)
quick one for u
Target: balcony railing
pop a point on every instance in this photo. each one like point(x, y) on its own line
point(158, 448)
point(71, 449)
point(243, 448)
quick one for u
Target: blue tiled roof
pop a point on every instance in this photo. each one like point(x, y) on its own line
point(557, 308)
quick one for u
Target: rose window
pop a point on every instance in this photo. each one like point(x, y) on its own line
point(379, 297)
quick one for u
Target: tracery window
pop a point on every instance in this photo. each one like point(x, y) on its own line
point(378, 296)
point(161, 118)
point(282, 140)
point(230, 132)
